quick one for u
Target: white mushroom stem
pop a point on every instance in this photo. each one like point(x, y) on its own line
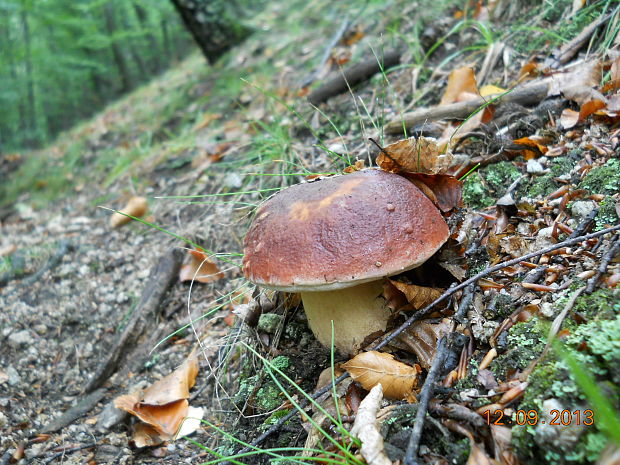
point(356, 311)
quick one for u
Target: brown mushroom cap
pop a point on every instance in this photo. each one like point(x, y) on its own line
point(341, 231)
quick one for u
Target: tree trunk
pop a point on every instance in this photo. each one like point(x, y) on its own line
point(117, 53)
point(213, 25)
point(31, 117)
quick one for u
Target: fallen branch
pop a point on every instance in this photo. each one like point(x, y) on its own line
point(423, 312)
point(162, 276)
point(614, 249)
point(83, 406)
point(425, 397)
point(64, 452)
point(524, 95)
point(354, 75)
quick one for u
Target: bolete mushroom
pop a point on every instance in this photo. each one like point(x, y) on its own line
point(335, 240)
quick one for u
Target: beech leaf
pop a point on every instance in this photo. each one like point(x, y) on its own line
point(418, 296)
point(199, 268)
point(461, 85)
point(371, 368)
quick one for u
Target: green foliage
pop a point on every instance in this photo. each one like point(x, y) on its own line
point(61, 61)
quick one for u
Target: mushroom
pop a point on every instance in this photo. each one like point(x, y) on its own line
point(334, 240)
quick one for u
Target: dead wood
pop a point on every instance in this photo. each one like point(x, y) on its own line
point(614, 249)
point(84, 405)
point(525, 95)
point(352, 76)
point(64, 452)
point(425, 397)
point(162, 276)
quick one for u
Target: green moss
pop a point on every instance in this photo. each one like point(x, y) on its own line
point(484, 186)
point(274, 418)
point(541, 186)
point(607, 215)
point(603, 180)
point(525, 342)
point(594, 344)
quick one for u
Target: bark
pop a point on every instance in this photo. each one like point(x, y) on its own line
point(213, 25)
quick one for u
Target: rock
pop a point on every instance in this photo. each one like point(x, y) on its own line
point(561, 437)
point(534, 167)
point(582, 208)
point(20, 339)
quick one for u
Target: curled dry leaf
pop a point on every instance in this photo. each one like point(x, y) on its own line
point(446, 191)
point(417, 296)
point(163, 407)
point(421, 337)
point(370, 368)
point(586, 76)
point(136, 206)
point(199, 268)
point(414, 155)
point(366, 428)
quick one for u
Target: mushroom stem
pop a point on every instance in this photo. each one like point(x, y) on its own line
point(356, 311)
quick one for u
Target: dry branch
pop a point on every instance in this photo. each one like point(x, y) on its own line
point(352, 76)
point(524, 95)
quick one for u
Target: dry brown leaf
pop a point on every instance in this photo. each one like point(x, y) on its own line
point(581, 79)
point(447, 191)
point(422, 338)
point(166, 419)
point(370, 368)
point(136, 206)
point(366, 429)
point(144, 435)
point(417, 296)
point(461, 85)
point(200, 268)
point(532, 148)
point(569, 118)
point(173, 387)
point(590, 108)
point(421, 155)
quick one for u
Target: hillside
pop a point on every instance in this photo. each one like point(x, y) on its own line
point(92, 312)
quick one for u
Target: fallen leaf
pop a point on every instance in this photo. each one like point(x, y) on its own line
point(422, 338)
point(371, 368)
point(582, 78)
point(461, 85)
point(173, 387)
point(447, 190)
point(569, 118)
point(200, 268)
point(417, 296)
point(207, 119)
point(490, 89)
point(165, 419)
point(421, 155)
point(366, 428)
point(144, 435)
point(590, 108)
point(136, 206)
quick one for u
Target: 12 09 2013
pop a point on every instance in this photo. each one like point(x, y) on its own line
point(533, 418)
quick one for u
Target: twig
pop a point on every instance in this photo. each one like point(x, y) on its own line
point(468, 296)
point(332, 43)
point(420, 313)
point(585, 224)
point(613, 250)
point(425, 396)
point(63, 452)
point(525, 95)
point(84, 406)
point(354, 75)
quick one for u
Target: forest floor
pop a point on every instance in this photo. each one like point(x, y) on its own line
point(90, 312)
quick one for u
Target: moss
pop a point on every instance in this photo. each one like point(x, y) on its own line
point(273, 419)
point(594, 344)
point(541, 186)
point(525, 341)
point(603, 180)
point(607, 215)
point(484, 186)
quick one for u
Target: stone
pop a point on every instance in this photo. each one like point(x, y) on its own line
point(582, 208)
point(20, 339)
point(534, 167)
